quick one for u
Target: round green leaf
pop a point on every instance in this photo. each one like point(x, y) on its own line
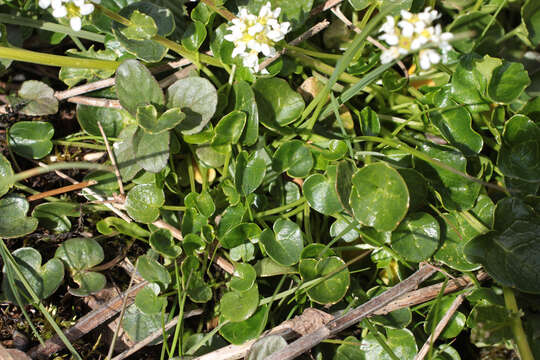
point(401, 341)
point(197, 98)
point(125, 154)
point(89, 283)
point(162, 242)
point(332, 289)
point(193, 244)
point(146, 50)
point(151, 150)
point(278, 104)
point(31, 139)
point(316, 251)
point(243, 277)
point(249, 173)
point(530, 16)
point(194, 36)
point(266, 346)
point(153, 271)
point(80, 253)
point(239, 332)
point(379, 196)
point(148, 301)
point(54, 215)
point(40, 98)
point(417, 237)
point(436, 313)
point(239, 234)
point(142, 27)
point(321, 195)
point(44, 280)
point(5, 172)
point(112, 120)
point(294, 158)
point(285, 244)
point(508, 82)
point(143, 202)
point(139, 325)
point(197, 290)
point(147, 118)
point(239, 305)
point(136, 86)
point(229, 128)
point(203, 202)
point(519, 155)
point(14, 222)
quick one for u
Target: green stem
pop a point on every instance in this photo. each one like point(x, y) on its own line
point(322, 67)
point(48, 26)
point(281, 208)
point(226, 14)
point(520, 336)
point(56, 60)
point(317, 54)
point(79, 144)
point(173, 208)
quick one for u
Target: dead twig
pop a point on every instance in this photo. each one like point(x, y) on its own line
point(61, 190)
point(97, 102)
point(323, 7)
point(440, 327)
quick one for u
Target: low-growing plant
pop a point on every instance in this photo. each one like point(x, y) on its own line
point(258, 159)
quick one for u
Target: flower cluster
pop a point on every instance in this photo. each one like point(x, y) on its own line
point(252, 34)
point(73, 10)
point(415, 32)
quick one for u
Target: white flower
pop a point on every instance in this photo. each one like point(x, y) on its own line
point(73, 10)
point(255, 34)
point(415, 32)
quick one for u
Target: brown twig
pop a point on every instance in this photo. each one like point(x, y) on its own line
point(97, 102)
point(440, 327)
point(113, 160)
point(61, 190)
point(306, 35)
point(323, 7)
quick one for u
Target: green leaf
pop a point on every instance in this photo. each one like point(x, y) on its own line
point(139, 325)
point(455, 191)
point(417, 237)
point(125, 154)
point(229, 128)
point(277, 102)
point(401, 341)
point(266, 346)
point(112, 120)
point(239, 332)
point(147, 118)
point(193, 244)
point(510, 257)
point(197, 290)
point(397, 319)
point(14, 222)
point(530, 16)
point(194, 36)
point(334, 288)
point(31, 139)
point(238, 306)
point(148, 301)
point(285, 244)
point(369, 122)
point(145, 50)
point(112, 224)
point(135, 86)
point(197, 98)
point(455, 124)
point(519, 155)
point(239, 234)
point(321, 194)
point(143, 202)
point(151, 150)
point(476, 22)
point(245, 101)
point(152, 271)
point(5, 172)
point(243, 277)
point(89, 283)
point(436, 313)
point(508, 82)
point(72, 76)
point(142, 27)
point(40, 98)
point(417, 186)
point(44, 280)
point(489, 324)
point(249, 173)
point(294, 158)
point(54, 215)
point(509, 210)
point(203, 202)
point(468, 85)
point(268, 267)
point(456, 231)
point(345, 170)
point(162, 242)
point(379, 196)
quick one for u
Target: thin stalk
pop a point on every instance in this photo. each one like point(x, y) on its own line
point(516, 325)
point(226, 14)
point(281, 208)
point(79, 144)
point(381, 340)
point(317, 54)
point(56, 60)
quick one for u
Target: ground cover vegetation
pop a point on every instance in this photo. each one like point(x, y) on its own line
point(341, 179)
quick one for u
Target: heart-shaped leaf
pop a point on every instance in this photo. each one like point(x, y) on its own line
point(238, 306)
point(5, 172)
point(508, 82)
point(139, 325)
point(249, 174)
point(112, 120)
point(148, 301)
point(147, 118)
point(162, 242)
point(243, 277)
point(332, 289)
point(142, 27)
point(266, 346)
point(151, 150)
point(278, 104)
point(294, 158)
point(44, 280)
point(417, 237)
point(152, 271)
point(379, 196)
point(285, 244)
point(321, 195)
point(239, 234)
point(31, 139)
point(143, 202)
point(40, 98)
point(54, 215)
point(239, 332)
point(14, 222)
